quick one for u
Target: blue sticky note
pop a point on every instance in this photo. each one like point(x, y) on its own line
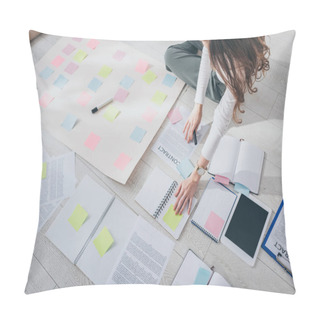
point(46, 73)
point(202, 277)
point(138, 134)
point(185, 167)
point(241, 188)
point(69, 122)
point(126, 82)
point(61, 81)
point(169, 80)
point(94, 84)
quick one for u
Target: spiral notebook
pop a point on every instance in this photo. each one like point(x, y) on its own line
point(157, 198)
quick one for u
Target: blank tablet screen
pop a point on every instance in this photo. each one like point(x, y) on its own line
point(246, 225)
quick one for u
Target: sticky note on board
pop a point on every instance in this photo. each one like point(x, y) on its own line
point(61, 81)
point(241, 188)
point(78, 217)
point(149, 114)
point(202, 277)
point(45, 99)
point(221, 179)
point(103, 241)
point(104, 71)
point(174, 115)
point(92, 141)
point(77, 39)
point(92, 43)
point(214, 224)
point(122, 161)
point(159, 97)
point(138, 134)
point(111, 113)
point(172, 219)
point(149, 76)
point(121, 95)
point(46, 73)
point(68, 49)
point(94, 84)
point(57, 61)
point(185, 167)
point(44, 170)
point(69, 122)
point(119, 55)
point(169, 80)
point(71, 68)
point(84, 98)
point(80, 55)
point(126, 82)
point(142, 66)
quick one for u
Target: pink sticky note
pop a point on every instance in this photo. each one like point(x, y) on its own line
point(149, 114)
point(174, 115)
point(121, 95)
point(71, 68)
point(57, 61)
point(92, 141)
point(77, 39)
point(122, 161)
point(68, 49)
point(142, 66)
point(84, 98)
point(45, 99)
point(214, 224)
point(221, 179)
point(119, 55)
point(92, 43)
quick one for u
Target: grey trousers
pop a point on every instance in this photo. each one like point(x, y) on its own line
point(182, 59)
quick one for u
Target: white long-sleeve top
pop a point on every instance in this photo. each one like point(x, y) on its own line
point(222, 115)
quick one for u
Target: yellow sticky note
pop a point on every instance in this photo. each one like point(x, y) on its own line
point(44, 170)
point(159, 97)
point(149, 76)
point(171, 219)
point(104, 71)
point(103, 241)
point(80, 55)
point(111, 113)
point(78, 217)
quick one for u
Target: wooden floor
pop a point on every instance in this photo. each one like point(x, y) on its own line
point(261, 124)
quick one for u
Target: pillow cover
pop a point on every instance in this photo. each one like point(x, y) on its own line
point(123, 125)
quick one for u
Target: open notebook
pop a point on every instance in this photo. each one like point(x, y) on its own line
point(194, 271)
point(157, 198)
point(239, 162)
point(103, 237)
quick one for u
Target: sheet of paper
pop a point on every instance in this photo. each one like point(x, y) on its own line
point(148, 266)
point(122, 161)
point(92, 43)
point(111, 113)
point(57, 61)
point(94, 84)
point(171, 145)
point(142, 66)
point(119, 55)
point(46, 73)
point(149, 77)
point(218, 280)
point(84, 98)
point(69, 122)
point(92, 141)
point(80, 55)
point(103, 241)
point(138, 134)
point(104, 71)
point(171, 218)
point(68, 49)
point(159, 97)
point(61, 81)
point(203, 276)
point(78, 217)
point(185, 167)
point(121, 95)
point(71, 68)
point(169, 80)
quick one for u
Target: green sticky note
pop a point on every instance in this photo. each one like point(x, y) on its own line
point(171, 219)
point(44, 170)
point(80, 55)
point(103, 241)
point(104, 71)
point(111, 113)
point(149, 76)
point(159, 97)
point(78, 217)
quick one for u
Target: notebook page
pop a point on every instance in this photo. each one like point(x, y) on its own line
point(249, 166)
point(225, 158)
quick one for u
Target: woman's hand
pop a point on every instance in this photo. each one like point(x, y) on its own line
point(193, 122)
point(185, 193)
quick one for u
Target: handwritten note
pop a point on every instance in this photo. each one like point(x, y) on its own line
point(214, 224)
point(92, 141)
point(171, 218)
point(126, 82)
point(103, 241)
point(111, 113)
point(92, 43)
point(84, 98)
point(61, 81)
point(185, 167)
point(80, 55)
point(159, 98)
point(94, 84)
point(104, 71)
point(149, 114)
point(174, 115)
point(169, 80)
point(71, 68)
point(119, 55)
point(46, 73)
point(78, 217)
point(122, 161)
point(138, 134)
point(45, 99)
point(68, 49)
point(121, 95)
point(69, 122)
point(203, 276)
point(221, 179)
point(57, 61)
point(149, 76)
point(142, 66)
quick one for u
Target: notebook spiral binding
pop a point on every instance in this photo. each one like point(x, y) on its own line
point(165, 199)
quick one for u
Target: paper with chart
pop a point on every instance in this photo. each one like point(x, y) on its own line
point(77, 75)
point(171, 145)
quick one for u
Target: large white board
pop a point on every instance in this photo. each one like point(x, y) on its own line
point(114, 136)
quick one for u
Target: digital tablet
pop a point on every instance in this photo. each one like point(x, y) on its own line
point(246, 227)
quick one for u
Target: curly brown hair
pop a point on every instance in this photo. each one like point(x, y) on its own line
point(240, 63)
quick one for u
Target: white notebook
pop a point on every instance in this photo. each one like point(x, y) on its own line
point(157, 198)
point(239, 161)
point(194, 271)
